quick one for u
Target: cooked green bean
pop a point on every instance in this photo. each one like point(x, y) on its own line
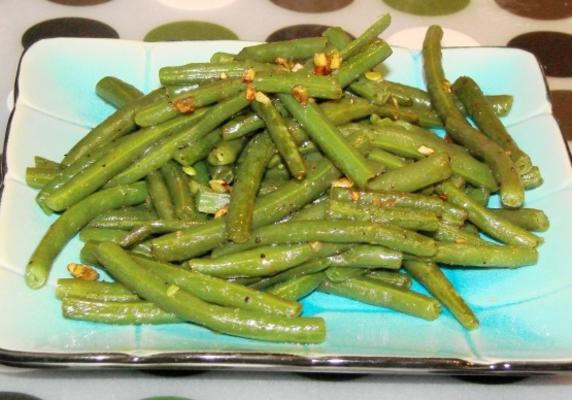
point(381, 294)
point(111, 312)
point(532, 179)
point(260, 261)
point(209, 202)
point(368, 36)
point(329, 140)
point(200, 72)
point(188, 102)
point(412, 177)
point(124, 218)
point(38, 177)
point(480, 110)
point(310, 267)
point(188, 307)
point(340, 274)
point(390, 277)
point(219, 291)
point(410, 141)
point(116, 92)
point(530, 219)
point(323, 87)
point(366, 256)
point(41, 162)
point(94, 290)
point(226, 152)
point(285, 144)
point(367, 58)
point(299, 287)
point(198, 149)
point(389, 160)
point(493, 225)
point(101, 234)
point(448, 233)
point(116, 125)
point(160, 196)
point(146, 229)
point(487, 256)
point(179, 191)
point(241, 126)
point(479, 194)
point(289, 49)
point(339, 231)
point(431, 277)
point(71, 221)
point(250, 171)
point(414, 219)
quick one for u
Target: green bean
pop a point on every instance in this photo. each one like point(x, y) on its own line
point(532, 179)
point(88, 253)
point(126, 218)
point(340, 274)
point(366, 256)
point(226, 152)
point(38, 177)
point(311, 212)
point(116, 92)
point(209, 202)
point(299, 287)
point(249, 175)
point(94, 290)
point(479, 194)
point(410, 141)
point(339, 231)
point(67, 173)
point(493, 225)
point(179, 191)
point(218, 291)
point(260, 261)
point(101, 234)
point(389, 160)
point(268, 209)
point(424, 119)
point(431, 277)
point(487, 256)
point(241, 126)
point(482, 113)
point(282, 139)
point(290, 49)
point(201, 171)
point(198, 149)
point(437, 85)
point(160, 196)
point(530, 219)
point(390, 277)
point(382, 294)
point(222, 57)
point(324, 87)
point(412, 177)
point(123, 154)
point(346, 110)
point(119, 313)
point(116, 125)
point(42, 162)
point(200, 72)
point(187, 307)
point(310, 267)
point(413, 219)
point(511, 189)
point(367, 58)
point(377, 94)
point(337, 37)
point(188, 102)
point(146, 229)
point(368, 36)
point(163, 152)
point(330, 141)
point(448, 233)
point(71, 221)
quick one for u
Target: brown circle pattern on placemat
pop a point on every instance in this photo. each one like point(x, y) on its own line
point(67, 27)
point(16, 396)
point(562, 110)
point(553, 50)
point(538, 9)
point(79, 2)
point(312, 6)
point(428, 7)
point(298, 31)
point(189, 30)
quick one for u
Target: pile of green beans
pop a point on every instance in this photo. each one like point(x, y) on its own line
point(243, 185)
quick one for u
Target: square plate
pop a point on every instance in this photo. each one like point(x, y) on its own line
point(524, 313)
